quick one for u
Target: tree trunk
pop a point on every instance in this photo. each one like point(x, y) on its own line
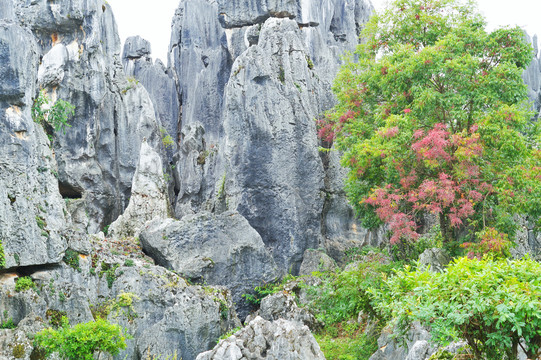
point(445, 227)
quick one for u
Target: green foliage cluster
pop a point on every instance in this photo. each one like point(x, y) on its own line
point(490, 303)
point(8, 324)
point(55, 317)
point(110, 273)
point(2, 256)
point(355, 347)
point(24, 283)
point(18, 351)
point(71, 257)
point(341, 296)
point(82, 341)
point(262, 291)
point(167, 140)
point(55, 115)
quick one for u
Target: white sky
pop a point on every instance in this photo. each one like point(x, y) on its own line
point(152, 19)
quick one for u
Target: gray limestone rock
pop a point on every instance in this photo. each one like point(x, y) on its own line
point(149, 199)
point(316, 260)
point(214, 249)
point(81, 64)
point(161, 86)
point(436, 258)
point(417, 346)
point(282, 305)
point(274, 175)
point(32, 213)
point(261, 339)
point(251, 144)
point(166, 317)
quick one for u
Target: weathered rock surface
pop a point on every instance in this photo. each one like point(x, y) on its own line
point(81, 64)
point(149, 198)
point(316, 260)
point(261, 339)
point(214, 249)
point(32, 212)
point(532, 75)
point(161, 86)
point(417, 346)
point(436, 258)
point(251, 82)
point(167, 316)
point(282, 305)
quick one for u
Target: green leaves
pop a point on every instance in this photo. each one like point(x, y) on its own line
point(55, 115)
point(81, 341)
point(489, 303)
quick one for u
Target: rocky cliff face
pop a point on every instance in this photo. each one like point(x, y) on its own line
point(252, 77)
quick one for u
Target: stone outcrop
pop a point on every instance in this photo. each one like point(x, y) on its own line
point(436, 258)
point(166, 315)
point(316, 260)
point(532, 75)
point(252, 78)
point(32, 212)
point(213, 249)
point(262, 339)
point(161, 87)
point(149, 198)
point(80, 48)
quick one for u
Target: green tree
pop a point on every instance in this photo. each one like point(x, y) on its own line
point(82, 341)
point(432, 117)
point(492, 304)
point(55, 115)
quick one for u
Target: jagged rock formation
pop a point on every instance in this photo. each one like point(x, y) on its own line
point(32, 213)
point(251, 82)
point(261, 339)
point(160, 85)
point(214, 249)
point(81, 64)
point(167, 316)
point(149, 198)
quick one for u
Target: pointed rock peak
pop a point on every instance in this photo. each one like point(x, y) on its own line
point(149, 198)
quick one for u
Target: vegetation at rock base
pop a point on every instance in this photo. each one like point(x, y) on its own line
point(492, 304)
point(55, 115)
point(432, 118)
point(82, 341)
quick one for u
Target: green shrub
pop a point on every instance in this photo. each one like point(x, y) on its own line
point(129, 263)
point(8, 324)
point(82, 341)
point(24, 283)
point(342, 296)
point(345, 347)
point(491, 304)
point(56, 115)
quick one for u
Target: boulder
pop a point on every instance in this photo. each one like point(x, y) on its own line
point(436, 258)
point(282, 305)
point(262, 339)
point(212, 249)
point(316, 260)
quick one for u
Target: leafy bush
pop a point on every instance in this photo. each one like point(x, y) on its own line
point(490, 303)
point(342, 296)
point(24, 283)
point(55, 115)
point(82, 341)
point(8, 324)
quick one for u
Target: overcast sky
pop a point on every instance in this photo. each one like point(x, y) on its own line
point(152, 19)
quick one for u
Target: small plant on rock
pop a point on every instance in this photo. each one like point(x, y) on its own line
point(24, 283)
